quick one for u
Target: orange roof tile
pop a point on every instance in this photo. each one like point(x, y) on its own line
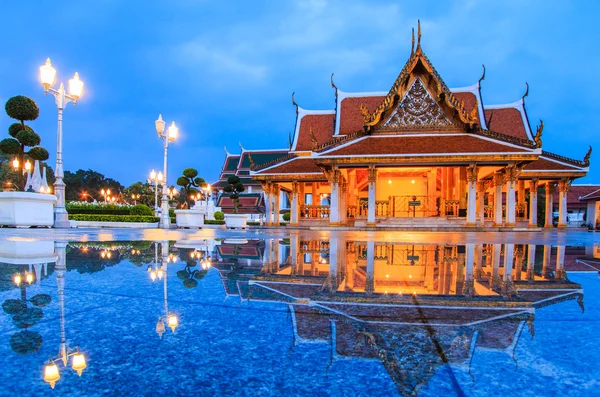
point(351, 118)
point(322, 126)
point(508, 121)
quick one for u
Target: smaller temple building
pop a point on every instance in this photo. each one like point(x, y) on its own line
point(418, 155)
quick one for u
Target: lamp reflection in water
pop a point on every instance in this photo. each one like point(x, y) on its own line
point(168, 319)
point(78, 362)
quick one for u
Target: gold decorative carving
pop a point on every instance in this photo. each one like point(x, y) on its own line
point(372, 175)
point(418, 110)
point(251, 160)
point(512, 173)
point(472, 172)
point(313, 140)
point(498, 179)
point(538, 135)
point(549, 188)
point(564, 185)
point(295, 186)
point(456, 159)
point(586, 159)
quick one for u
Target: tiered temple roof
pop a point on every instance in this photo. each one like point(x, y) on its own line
point(419, 120)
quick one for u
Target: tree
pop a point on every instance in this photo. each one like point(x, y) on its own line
point(190, 182)
point(145, 191)
point(234, 188)
point(22, 109)
point(86, 185)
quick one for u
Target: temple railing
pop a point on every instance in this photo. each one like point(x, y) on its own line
point(382, 208)
point(309, 211)
point(352, 211)
point(314, 246)
point(488, 211)
point(451, 207)
point(410, 206)
point(521, 211)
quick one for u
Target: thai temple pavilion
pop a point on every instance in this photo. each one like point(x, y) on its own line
point(421, 154)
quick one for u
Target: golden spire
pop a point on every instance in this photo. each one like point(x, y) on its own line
point(419, 51)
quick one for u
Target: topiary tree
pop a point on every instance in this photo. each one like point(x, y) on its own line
point(190, 182)
point(234, 188)
point(23, 109)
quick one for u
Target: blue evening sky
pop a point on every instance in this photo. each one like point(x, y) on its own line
point(225, 70)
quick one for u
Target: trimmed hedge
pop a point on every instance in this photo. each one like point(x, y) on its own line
point(108, 209)
point(141, 210)
point(219, 215)
point(213, 222)
point(112, 218)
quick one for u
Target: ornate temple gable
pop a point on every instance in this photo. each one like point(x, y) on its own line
point(416, 111)
point(419, 67)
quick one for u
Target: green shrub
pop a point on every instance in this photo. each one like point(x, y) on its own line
point(121, 211)
point(213, 222)
point(253, 223)
point(172, 212)
point(286, 217)
point(112, 218)
point(141, 210)
point(219, 216)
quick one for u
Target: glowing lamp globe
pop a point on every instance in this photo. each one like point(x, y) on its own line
point(173, 131)
point(27, 165)
point(15, 163)
point(17, 279)
point(153, 275)
point(78, 363)
point(76, 87)
point(160, 328)
point(160, 125)
point(51, 374)
point(47, 75)
point(159, 176)
point(173, 322)
point(29, 278)
point(160, 274)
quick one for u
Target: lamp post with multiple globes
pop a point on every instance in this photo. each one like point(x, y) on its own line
point(170, 319)
point(48, 76)
point(166, 135)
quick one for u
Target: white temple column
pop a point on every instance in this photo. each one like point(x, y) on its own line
point(498, 182)
point(295, 205)
point(481, 202)
point(268, 189)
point(469, 269)
point(533, 202)
point(509, 256)
point(560, 273)
point(530, 261)
point(511, 181)
point(294, 249)
point(472, 196)
point(333, 260)
point(546, 260)
point(372, 178)
point(590, 216)
point(563, 189)
point(276, 204)
point(343, 193)
point(370, 281)
point(497, 249)
point(549, 205)
point(334, 209)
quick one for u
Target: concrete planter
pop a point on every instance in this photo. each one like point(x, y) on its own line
point(27, 252)
point(236, 221)
point(189, 219)
point(25, 209)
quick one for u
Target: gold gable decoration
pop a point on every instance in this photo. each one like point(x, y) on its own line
point(418, 110)
point(419, 66)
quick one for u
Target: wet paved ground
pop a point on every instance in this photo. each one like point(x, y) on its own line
point(553, 237)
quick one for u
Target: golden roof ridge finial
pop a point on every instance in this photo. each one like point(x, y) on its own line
point(412, 47)
point(332, 83)
point(586, 159)
point(251, 160)
point(419, 50)
point(538, 135)
point(241, 147)
point(483, 75)
point(226, 152)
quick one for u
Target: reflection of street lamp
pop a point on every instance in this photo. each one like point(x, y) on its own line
point(135, 197)
point(172, 192)
point(48, 75)
point(78, 363)
point(167, 136)
point(170, 319)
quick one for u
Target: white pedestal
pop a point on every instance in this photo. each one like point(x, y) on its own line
point(236, 221)
point(189, 218)
point(26, 209)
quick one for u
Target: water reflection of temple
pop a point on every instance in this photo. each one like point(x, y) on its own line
point(413, 307)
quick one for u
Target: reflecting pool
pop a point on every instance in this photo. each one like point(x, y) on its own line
point(300, 315)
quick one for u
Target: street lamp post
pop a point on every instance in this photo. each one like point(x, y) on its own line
point(48, 75)
point(155, 179)
point(168, 135)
